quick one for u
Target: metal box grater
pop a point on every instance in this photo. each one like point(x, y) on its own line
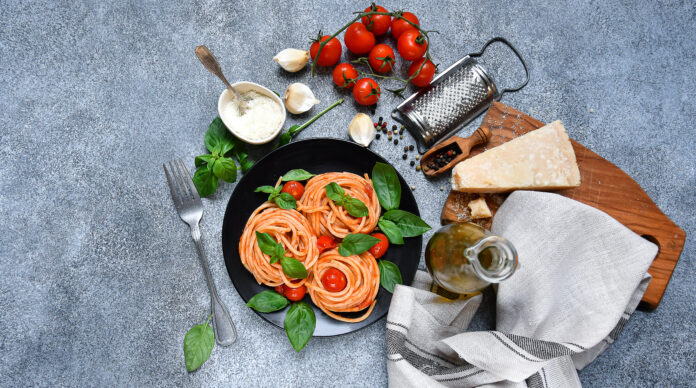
point(453, 99)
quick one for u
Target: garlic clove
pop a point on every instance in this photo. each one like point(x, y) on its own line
point(299, 98)
point(361, 129)
point(292, 60)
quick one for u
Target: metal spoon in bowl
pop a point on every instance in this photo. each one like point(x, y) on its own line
point(210, 62)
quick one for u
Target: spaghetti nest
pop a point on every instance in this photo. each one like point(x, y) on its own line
point(362, 285)
point(288, 227)
point(327, 218)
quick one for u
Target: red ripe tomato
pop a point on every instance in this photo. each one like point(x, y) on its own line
point(295, 294)
point(399, 26)
point(330, 54)
point(412, 45)
point(366, 91)
point(426, 73)
point(379, 249)
point(280, 289)
point(345, 75)
point(381, 58)
point(358, 39)
point(378, 24)
point(333, 280)
point(293, 188)
point(325, 242)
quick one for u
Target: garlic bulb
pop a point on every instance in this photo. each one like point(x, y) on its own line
point(361, 129)
point(292, 59)
point(299, 98)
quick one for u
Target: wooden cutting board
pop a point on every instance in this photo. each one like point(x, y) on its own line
point(604, 186)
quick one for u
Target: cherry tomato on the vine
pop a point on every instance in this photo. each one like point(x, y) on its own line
point(358, 39)
point(412, 45)
point(366, 91)
point(295, 294)
point(426, 73)
point(333, 280)
point(330, 54)
point(378, 24)
point(381, 58)
point(379, 249)
point(345, 75)
point(294, 188)
point(399, 26)
point(325, 242)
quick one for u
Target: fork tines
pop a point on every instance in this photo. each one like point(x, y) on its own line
point(180, 183)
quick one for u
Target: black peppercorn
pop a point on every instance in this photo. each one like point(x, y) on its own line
point(404, 156)
point(413, 163)
point(405, 148)
point(393, 127)
point(377, 136)
point(410, 148)
point(380, 120)
point(396, 141)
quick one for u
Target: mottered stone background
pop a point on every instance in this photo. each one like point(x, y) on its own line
point(99, 279)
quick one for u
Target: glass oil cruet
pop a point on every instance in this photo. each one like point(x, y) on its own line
point(465, 257)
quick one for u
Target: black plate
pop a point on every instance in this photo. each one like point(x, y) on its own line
point(316, 156)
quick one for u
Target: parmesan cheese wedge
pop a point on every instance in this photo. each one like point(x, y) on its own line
point(479, 209)
point(542, 159)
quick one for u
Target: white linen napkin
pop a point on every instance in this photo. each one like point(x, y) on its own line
point(581, 276)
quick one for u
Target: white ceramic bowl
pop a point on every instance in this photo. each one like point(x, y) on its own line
point(242, 87)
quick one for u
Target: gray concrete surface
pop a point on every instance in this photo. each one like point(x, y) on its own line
point(98, 276)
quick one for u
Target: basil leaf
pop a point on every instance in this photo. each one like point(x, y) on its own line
point(267, 302)
point(297, 175)
point(293, 130)
point(243, 161)
point(299, 325)
point(225, 169)
point(206, 183)
point(389, 275)
point(264, 189)
point(355, 244)
point(202, 159)
point(217, 135)
point(266, 243)
point(198, 343)
point(283, 139)
point(387, 185)
point(293, 268)
point(391, 231)
point(285, 201)
point(225, 147)
point(335, 193)
point(355, 207)
point(409, 224)
point(278, 253)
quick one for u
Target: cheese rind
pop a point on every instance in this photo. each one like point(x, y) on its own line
point(542, 159)
point(479, 209)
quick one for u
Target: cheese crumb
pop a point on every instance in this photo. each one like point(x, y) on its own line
point(479, 209)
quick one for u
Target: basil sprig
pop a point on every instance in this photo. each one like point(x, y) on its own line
point(391, 230)
point(297, 175)
point(354, 206)
point(286, 136)
point(267, 301)
point(355, 244)
point(283, 200)
point(387, 185)
point(300, 323)
point(198, 343)
point(219, 163)
point(397, 224)
point(389, 275)
point(291, 266)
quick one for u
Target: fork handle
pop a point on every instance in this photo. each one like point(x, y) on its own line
point(225, 333)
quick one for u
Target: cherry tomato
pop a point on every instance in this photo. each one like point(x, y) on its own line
point(325, 242)
point(333, 280)
point(366, 303)
point(426, 73)
point(293, 188)
point(381, 58)
point(295, 294)
point(378, 24)
point(358, 39)
point(280, 289)
point(345, 75)
point(411, 45)
point(399, 26)
point(379, 249)
point(366, 91)
point(330, 54)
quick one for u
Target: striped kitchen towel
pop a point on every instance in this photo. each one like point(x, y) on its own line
point(581, 276)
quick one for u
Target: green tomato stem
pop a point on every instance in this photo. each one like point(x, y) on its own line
point(313, 119)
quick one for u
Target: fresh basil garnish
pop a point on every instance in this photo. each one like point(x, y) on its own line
point(225, 169)
point(198, 343)
point(355, 244)
point(265, 189)
point(297, 175)
point(293, 268)
point(283, 200)
point(206, 182)
point(267, 301)
point(202, 160)
point(270, 247)
point(286, 136)
point(392, 231)
point(353, 206)
point(389, 275)
point(299, 325)
point(409, 224)
point(387, 185)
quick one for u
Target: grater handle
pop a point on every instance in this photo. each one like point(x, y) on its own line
point(514, 50)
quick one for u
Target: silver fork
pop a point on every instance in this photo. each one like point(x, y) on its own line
point(188, 204)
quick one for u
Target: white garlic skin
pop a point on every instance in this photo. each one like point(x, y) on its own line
point(292, 60)
point(299, 98)
point(361, 129)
